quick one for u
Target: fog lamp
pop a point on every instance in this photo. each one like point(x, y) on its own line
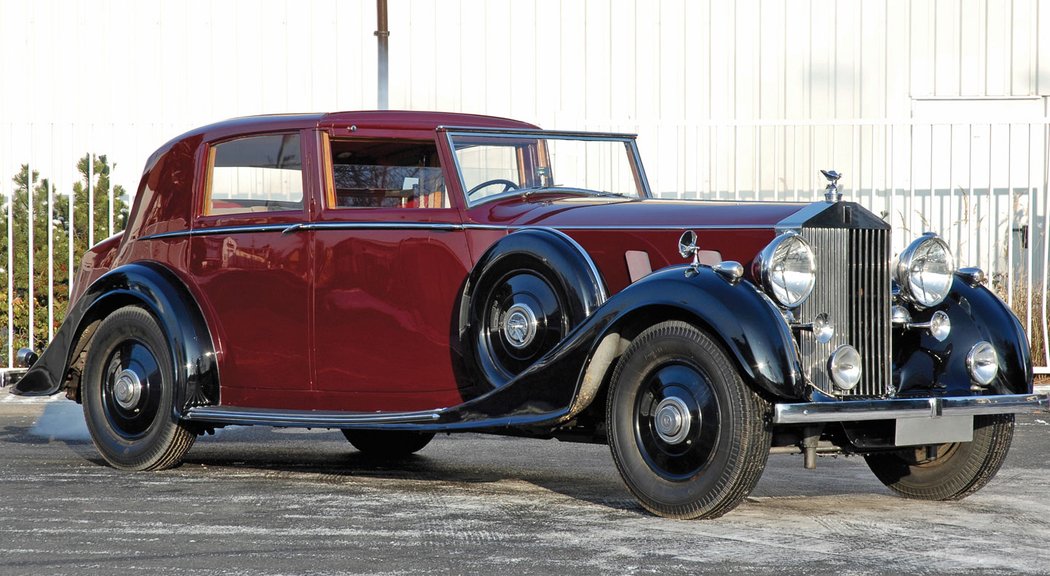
point(940, 326)
point(844, 367)
point(983, 363)
point(823, 329)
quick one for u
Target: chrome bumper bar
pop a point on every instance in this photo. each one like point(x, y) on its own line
point(857, 410)
point(9, 376)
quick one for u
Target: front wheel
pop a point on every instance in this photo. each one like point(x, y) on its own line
point(128, 394)
point(948, 471)
point(687, 435)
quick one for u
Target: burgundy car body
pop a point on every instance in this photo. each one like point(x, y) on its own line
point(318, 314)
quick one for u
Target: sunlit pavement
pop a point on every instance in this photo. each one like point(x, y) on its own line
point(267, 502)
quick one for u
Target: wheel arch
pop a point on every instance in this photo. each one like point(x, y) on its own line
point(569, 265)
point(763, 355)
point(158, 290)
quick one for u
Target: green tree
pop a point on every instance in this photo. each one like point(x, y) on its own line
point(58, 221)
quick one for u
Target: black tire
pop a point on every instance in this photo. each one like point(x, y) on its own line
point(700, 470)
point(128, 392)
point(956, 471)
point(388, 443)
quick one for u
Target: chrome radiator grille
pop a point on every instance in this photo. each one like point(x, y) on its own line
point(853, 289)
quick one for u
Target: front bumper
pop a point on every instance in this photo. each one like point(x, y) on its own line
point(859, 410)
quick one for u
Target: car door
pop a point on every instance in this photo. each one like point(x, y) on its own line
point(254, 277)
point(390, 262)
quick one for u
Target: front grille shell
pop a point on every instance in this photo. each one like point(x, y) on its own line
point(852, 252)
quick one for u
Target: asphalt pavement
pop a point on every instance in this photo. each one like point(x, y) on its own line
point(261, 502)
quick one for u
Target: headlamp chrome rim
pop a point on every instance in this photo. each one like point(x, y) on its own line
point(913, 278)
point(766, 268)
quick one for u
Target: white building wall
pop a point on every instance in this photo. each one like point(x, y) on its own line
point(934, 109)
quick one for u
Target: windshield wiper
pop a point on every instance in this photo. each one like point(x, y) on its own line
point(569, 190)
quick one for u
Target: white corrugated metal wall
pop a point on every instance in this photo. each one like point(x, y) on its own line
point(935, 109)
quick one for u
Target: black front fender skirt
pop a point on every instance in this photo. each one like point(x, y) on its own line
point(924, 366)
point(737, 314)
point(158, 290)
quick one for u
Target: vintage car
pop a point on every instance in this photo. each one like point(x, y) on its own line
point(398, 274)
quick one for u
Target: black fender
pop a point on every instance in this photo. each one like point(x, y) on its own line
point(158, 290)
point(924, 366)
point(737, 314)
point(553, 254)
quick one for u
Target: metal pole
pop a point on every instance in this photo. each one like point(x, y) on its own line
point(383, 38)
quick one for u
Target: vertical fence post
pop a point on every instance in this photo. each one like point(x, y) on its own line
point(10, 276)
point(51, 244)
point(91, 198)
point(29, 241)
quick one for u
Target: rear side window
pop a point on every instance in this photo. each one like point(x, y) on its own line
point(255, 174)
point(386, 174)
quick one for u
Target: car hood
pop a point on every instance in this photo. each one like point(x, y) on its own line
point(635, 214)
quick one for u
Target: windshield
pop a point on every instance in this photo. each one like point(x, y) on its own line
point(499, 164)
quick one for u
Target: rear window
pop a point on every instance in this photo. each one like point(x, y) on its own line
point(255, 174)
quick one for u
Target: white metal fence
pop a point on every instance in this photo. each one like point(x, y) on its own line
point(981, 185)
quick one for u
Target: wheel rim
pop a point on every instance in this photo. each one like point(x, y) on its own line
point(677, 421)
point(131, 389)
point(522, 321)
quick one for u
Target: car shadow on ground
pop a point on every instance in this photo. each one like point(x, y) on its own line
point(590, 475)
point(478, 464)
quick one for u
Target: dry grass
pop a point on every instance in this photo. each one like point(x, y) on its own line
point(1036, 334)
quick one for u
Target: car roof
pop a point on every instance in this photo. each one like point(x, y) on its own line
point(362, 119)
point(415, 120)
point(380, 120)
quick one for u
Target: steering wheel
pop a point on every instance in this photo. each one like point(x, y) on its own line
point(507, 185)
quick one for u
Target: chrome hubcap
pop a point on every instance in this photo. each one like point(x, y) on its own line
point(672, 420)
point(127, 389)
point(519, 325)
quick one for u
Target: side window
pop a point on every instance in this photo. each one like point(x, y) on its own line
point(255, 174)
point(386, 174)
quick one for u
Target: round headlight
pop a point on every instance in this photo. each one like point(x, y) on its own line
point(786, 269)
point(925, 269)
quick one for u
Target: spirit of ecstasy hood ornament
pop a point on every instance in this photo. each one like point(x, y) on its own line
point(832, 192)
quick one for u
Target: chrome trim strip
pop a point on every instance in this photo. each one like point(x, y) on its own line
point(219, 230)
point(664, 227)
point(307, 418)
point(861, 410)
point(534, 132)
point(446, 227)
point(599, 285)
point(442, 226)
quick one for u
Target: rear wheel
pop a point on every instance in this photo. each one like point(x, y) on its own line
point(687, 435)
point(948, 471)
point(128, 394)
point(388, 443)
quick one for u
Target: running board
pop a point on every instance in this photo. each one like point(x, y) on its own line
point(305, 418)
